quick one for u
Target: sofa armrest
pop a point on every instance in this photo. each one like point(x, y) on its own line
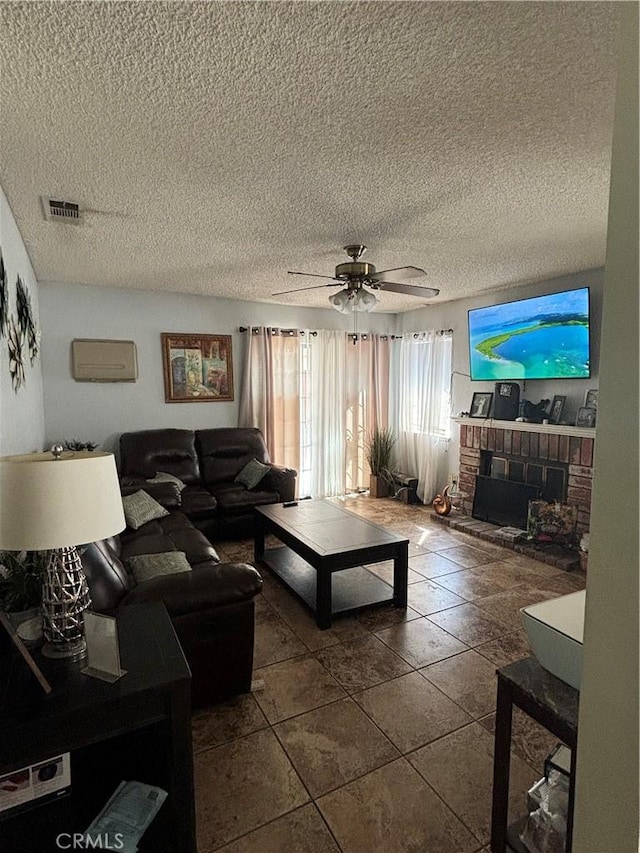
point(281, 480)
point(208, 585)
point(167, 494)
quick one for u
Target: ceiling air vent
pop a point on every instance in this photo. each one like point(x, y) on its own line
point(61, 211)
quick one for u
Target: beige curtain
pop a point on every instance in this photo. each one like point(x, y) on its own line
point(366, 403)
point(270, 395)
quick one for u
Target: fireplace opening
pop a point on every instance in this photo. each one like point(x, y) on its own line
point(550, 478)
point(503, 502)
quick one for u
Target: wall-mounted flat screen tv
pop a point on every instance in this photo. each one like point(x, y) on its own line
point(545, 337)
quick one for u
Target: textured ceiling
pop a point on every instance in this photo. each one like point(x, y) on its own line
point(217, 145)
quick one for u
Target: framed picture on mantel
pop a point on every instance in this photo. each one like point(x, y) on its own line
point(481, 404)
point(197, 368)
point(555, 413)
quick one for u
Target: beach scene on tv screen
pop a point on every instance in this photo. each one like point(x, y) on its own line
point(546, 337)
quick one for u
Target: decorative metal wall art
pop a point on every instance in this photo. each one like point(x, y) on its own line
point(21, 331)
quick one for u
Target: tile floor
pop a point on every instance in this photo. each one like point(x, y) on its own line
point(376, 735)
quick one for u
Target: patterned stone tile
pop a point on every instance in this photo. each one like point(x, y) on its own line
point(385, 572)
point(357, 664)
point(505, 606)
point(294, 686)
point(469, 624)
point(531, 741)
point(427, 597)
point(432, 565)
point(233, 793)
point(466, 556)
point(393, 810)
point(507, 649)
point(411, 711)
point(224, 722)
point(420, 642)
point(468, 679)
point(274, 640)
point(471, 583)
point(302, 829)
point(459, 767)
point(377, 618)
point(334, 745)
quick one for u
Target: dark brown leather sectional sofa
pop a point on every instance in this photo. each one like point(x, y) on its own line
point(211, 606)
point(207, 460)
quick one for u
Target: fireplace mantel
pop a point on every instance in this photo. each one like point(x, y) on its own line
point(521, 426)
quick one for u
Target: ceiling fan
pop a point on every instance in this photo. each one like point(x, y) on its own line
point(358, 275)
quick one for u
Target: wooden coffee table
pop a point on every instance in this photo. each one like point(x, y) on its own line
point(322, 539)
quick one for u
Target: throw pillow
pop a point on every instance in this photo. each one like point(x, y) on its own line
point(146, 566)
point(252, 473)
point(164, 477)
point(139, 508)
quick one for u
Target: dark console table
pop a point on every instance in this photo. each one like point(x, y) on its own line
point(554, 705)
point(138, 728)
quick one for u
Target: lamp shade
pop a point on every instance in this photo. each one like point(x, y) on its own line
point(48, 503)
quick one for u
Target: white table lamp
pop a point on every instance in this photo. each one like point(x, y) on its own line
point(52, 502)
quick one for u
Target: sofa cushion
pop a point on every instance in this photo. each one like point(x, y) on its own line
point(140, 507)
point(252, 473)
point(173, 533)
point(146, 452)
point(144, 567)
point(208, 585)
point(197, 503)
point(106, 575)
point(224, 452)
point(165, 477)
point(233, 497)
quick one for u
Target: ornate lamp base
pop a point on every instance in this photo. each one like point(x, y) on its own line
point(65, 597)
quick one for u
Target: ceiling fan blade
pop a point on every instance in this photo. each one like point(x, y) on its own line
point(401, 272)
point(313, 287)
point(315, 275)
point(409, 289)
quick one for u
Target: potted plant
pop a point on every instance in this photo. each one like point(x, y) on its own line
point(21, 577)
point(379, 452)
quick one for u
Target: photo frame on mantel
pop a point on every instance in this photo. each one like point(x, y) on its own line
point(481, 404)
point(197, 368)
point(557, 407)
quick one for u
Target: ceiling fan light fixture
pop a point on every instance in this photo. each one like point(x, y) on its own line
point(346, 301)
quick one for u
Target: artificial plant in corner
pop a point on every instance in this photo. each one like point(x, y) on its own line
point(21, 577)
point(379, 453)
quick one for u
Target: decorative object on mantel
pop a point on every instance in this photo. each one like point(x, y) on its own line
point(534, 413)
point(379, 452)
point(555, 412)
point(197, 368)
point(481, 404)
point(4, 299)
point(586, 417)
point(50, 502)
point(591, 399)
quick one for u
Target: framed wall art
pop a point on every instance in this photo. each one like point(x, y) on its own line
point(197, 368)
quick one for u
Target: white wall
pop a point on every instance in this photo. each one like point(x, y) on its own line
point(606, 815)
point(453, 315)
point(101, 411)
point(21, 411)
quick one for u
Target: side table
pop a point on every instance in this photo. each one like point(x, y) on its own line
point(554, 705)
point(138, 728)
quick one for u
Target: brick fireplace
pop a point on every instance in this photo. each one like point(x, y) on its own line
point(557, 459)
